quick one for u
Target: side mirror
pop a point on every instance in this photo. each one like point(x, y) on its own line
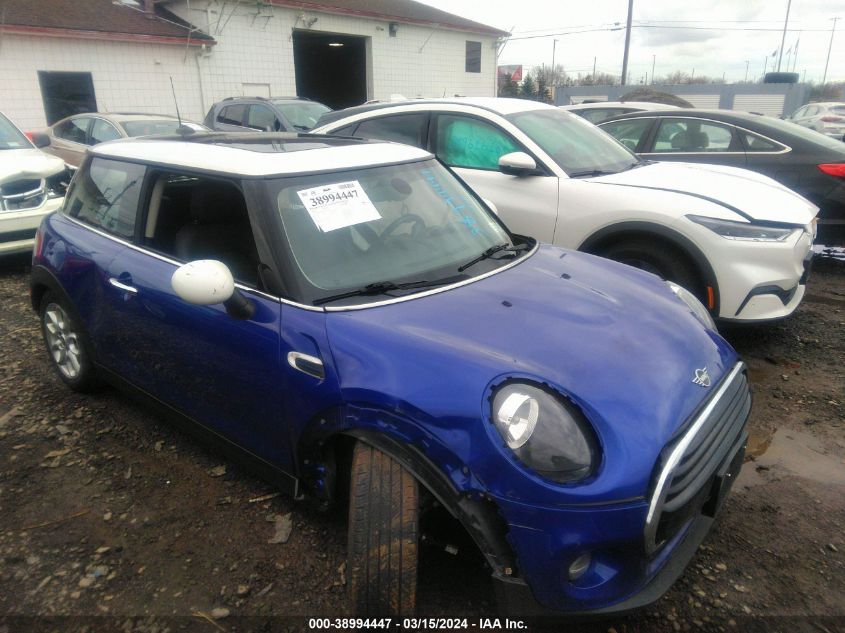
point(208, 282)
point(490, 204)
point(40, 139)
point(517, 164)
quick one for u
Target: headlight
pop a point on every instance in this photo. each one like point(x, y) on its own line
point(546, 434)
point(744, 230)
point(695, 306)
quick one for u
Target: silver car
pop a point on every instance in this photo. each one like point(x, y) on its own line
point(70, 137)
point(827, 118)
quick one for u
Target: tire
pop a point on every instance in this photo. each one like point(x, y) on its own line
point(383, 535)
point(66, 344)
point(664, 260)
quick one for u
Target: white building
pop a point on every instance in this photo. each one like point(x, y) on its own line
point(60, 57)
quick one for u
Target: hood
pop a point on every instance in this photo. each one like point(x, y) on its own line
point(16, 164)
point(751, 195)
point(612, 338)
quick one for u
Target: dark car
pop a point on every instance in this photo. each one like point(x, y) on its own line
point(806, 161)
point(260, 114)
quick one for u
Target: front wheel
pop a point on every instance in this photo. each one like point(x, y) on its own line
point(383, 535)
point(65, 344)
point(658, 258)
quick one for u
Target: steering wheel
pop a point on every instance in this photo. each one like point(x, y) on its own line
point(402, 219)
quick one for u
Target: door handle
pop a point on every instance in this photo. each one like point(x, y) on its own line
point(307, 364)
point(114, 282)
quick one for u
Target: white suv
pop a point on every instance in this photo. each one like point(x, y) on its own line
point(739, 240)
point(32, 184)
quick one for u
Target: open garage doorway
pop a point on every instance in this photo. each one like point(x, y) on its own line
point(331, 68)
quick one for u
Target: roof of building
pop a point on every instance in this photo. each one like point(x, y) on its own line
point(256, 155)
point(407, 11)
point(99, 19)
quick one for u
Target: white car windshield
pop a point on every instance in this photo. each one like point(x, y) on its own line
point(412, 222)
point(10, 136)
point(579, 147)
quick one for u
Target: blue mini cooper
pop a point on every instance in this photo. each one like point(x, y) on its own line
point(348, 316)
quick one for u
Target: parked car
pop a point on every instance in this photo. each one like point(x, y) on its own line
point(597, 112)
point(739, 241)
point(342, 311)
point(71, 137)
point(805, 161)
point(827, 118)
point(32, 184)
point(258, 114)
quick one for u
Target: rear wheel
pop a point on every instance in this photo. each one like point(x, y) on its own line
point(383, 535)
point(65, 344)
point(664, 260)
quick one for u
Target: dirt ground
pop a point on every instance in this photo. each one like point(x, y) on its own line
point(112, 520)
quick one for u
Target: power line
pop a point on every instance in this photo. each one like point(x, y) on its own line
point(723, 28)
point(531, 37)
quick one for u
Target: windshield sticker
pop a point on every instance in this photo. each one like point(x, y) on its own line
point(338, 205)
point(455, 207)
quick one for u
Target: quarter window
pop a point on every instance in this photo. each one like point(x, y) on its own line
point(407, 128)
point(73, 130)
point(106, 196)
point(629, 133)
point(468, 142)
point(754, 143)
point(473, 57)
point(690, 135)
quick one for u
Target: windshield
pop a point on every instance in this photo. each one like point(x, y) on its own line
point(146, 128)
point(398, 223)
point(10, 136)
point(576, 145)
point(302, 115)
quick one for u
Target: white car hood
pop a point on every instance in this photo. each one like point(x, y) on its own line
point(27, 163)
point(748, 193)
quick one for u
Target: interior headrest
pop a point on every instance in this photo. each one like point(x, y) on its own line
point(679, 140)
point(699, 140)
point(217, 202)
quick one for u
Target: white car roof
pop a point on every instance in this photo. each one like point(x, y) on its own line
point(252, 155)
point(639, 105)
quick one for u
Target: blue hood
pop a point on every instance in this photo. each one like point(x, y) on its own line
point(614, 339)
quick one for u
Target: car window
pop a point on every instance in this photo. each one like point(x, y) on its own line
point(811, 111)
point(302, 115)
point(799, 112)
point(629, 132)
point(467, 142)
point(346, 130)
point(147, 127)
point(405, 128)
point(102, 131)
point(691, 135)
point(74, 130)
point(232, 115)
point(595, 115)
point(10, 136)
point(754, 143)
point(106, 196)
point(262, 118)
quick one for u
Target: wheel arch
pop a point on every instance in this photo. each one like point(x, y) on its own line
point(616, 233)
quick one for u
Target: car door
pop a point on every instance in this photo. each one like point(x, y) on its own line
point(222, 371)
point(70, 140)
point(472, 146)
point(695, 140)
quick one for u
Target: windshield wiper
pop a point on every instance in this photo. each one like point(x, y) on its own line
point(589, 173)
point(492, 251)
point(382, 287)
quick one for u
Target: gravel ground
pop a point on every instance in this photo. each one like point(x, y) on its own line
point(112, 520)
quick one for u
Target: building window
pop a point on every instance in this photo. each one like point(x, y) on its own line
point(473, 62)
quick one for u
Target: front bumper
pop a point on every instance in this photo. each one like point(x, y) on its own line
point(17, 228)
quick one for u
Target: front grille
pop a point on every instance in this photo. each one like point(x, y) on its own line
point(26, 193)
point(689, 462)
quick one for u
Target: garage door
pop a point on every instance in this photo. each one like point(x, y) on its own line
point(764, 104)
point(702, 101)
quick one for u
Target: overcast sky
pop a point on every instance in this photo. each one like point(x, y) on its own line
point(723, 49)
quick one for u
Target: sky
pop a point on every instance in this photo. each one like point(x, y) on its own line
point(728, 35)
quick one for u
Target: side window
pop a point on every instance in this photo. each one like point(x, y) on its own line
point(74, 130)
point(106, 196)
point(347, 130)
point(406, 128)
point(262, 118)
point(690, 135)
point(466, 142)
point(232, 115)
point(102, 131)
point(473, 57)
point(754, 143)
point(799, 112)
point(629, 132)
point(595, 115)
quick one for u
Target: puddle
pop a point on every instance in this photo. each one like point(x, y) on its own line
point(833, 252)
point(796, 452)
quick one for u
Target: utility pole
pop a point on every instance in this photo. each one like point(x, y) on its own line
point(628, 41)
point(747, 61)
point(554, 47)
point(783, 39)
point(594, 68)
point(653, 62)
point(829, 47)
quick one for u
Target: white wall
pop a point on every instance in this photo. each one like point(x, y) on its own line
point(251, 49)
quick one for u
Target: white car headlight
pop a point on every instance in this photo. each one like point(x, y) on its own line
point(695, 306)
point(545, 433)
point(732, 230)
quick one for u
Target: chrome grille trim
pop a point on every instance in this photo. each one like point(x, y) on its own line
point(717, 428)
point(22, 200)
